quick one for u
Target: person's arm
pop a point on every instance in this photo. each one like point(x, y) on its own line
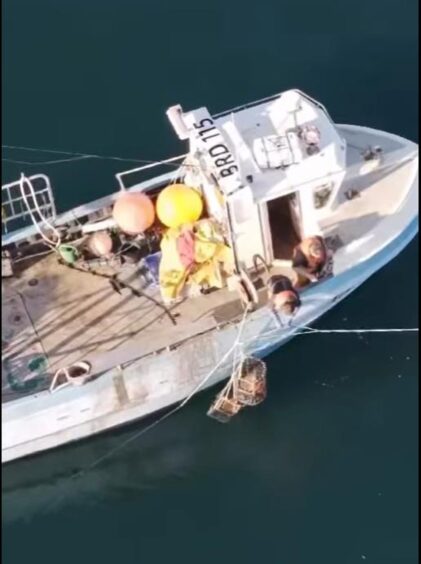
point(303, 272)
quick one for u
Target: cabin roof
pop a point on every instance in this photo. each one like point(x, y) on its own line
point(264, 142)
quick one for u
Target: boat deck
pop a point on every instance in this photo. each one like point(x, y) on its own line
point(378, 192)
point(60, 316)
point(54, 316)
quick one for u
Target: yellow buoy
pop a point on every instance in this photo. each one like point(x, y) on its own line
point(178, 204)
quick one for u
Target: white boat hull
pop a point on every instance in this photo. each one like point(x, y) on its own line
point(45, 421)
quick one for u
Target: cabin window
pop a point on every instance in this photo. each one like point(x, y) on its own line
point(283, 228)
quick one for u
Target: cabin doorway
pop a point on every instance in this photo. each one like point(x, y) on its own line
point(282, 227)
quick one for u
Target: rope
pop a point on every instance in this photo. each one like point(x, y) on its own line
point(236, 350)
point(118, 284)
point(238, 344)
point(308, 330)
point(304, 330)
point(183, 403)
point(406, 158)
point(35, 255)
point(154, 424)
point(79, 156)
point(64, 251)
point(57, 161)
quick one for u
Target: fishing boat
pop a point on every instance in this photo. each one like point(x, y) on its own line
point(103, 324)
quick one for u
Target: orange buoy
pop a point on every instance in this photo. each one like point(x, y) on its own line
point(100, 244)
point(133, 212)
point(178, 204)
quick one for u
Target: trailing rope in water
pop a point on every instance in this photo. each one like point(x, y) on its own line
point(56, 161)
point(356, 168)
point(195, 390)
point(236, 354)
point(173, 411)
point(237, 351)
point(304, 330)
point(308, 330)
point(77, 156)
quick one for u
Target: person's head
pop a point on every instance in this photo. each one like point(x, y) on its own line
point(316, 248)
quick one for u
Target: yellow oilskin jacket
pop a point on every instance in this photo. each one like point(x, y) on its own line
point(211, 260)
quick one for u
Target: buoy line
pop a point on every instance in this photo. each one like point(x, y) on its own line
point(235, 349)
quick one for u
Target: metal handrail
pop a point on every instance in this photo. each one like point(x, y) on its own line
point(316, 103)
point(248, 105)
point(270, 99)
point(21, 202)
point(119, 175)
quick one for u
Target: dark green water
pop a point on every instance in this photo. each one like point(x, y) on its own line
point(326, 471)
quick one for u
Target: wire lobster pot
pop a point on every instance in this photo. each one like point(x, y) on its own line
point(251, 382)
point(246, 388)
point(224, 408)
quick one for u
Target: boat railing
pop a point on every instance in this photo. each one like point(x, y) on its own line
point(271, 99)
point(20, 207)
point(248, 105)
point(121, 175)
point(316, 103)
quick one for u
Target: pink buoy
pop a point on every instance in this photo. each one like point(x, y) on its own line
point(100, 244)
point(133, 212)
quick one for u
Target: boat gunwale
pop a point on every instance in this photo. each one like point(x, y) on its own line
point(407, 214)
